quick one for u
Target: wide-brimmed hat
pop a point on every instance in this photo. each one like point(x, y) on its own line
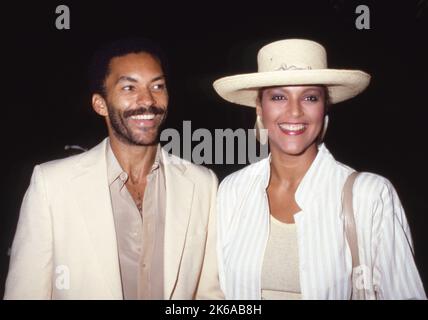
point(292, 62)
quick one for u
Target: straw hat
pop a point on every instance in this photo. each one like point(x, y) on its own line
point(292, 62)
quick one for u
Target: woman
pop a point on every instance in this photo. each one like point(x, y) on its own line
point(281, 231)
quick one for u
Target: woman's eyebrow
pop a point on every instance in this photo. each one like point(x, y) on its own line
point(318, 90)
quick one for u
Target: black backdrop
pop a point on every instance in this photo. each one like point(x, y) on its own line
point(46, 101)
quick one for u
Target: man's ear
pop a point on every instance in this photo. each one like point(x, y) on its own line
point(99, 104)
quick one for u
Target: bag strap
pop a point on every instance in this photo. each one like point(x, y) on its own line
point(351, 232)
point(348, 214)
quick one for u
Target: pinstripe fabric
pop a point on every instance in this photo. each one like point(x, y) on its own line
point(386, 253)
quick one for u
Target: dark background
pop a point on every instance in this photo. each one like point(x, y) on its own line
point(46, 101)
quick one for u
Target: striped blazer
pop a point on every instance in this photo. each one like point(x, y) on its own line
point(325, 266)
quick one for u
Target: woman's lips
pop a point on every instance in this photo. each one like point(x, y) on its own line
point(293, 129)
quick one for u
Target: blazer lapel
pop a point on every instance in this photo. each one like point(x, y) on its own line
point(179, 195)
point(92, 196)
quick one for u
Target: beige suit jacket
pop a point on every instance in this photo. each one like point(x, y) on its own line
point(65, 243)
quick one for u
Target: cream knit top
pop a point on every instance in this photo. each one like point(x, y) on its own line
point(280, 273)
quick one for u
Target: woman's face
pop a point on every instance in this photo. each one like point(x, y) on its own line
point(293, 116)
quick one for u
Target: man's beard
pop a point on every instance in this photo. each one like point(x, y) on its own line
point(124, 133)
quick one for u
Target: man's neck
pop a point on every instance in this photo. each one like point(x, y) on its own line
point(135, 160)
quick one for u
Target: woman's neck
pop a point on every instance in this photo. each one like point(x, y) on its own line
point(290, 169)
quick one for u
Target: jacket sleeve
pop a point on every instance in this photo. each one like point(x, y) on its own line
point(30, 270)
point(209, 286)
point(395, 275)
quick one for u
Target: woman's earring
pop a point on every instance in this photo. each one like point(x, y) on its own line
point(324, 129)
point(261, 132)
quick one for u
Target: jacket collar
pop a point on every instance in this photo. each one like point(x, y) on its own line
point(114, 169)
point(315, 180)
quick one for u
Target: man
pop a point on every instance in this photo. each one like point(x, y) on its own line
point(124, 220)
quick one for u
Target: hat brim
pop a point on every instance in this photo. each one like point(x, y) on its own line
point(242, 89)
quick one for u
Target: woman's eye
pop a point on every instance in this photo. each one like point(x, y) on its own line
point(278, 97)
point(312, 98)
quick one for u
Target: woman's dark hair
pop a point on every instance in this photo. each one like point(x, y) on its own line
point(100, 64)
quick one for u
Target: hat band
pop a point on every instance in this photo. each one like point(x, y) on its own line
point(284, 67)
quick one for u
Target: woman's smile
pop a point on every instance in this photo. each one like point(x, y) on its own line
point(292, 129)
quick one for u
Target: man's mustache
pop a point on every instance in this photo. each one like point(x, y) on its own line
point(150, 110)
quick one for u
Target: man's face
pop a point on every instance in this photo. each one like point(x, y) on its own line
point(136, 98)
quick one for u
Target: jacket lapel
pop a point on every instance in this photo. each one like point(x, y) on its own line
point(92, 196)
point(316, 180)
point(179, 195)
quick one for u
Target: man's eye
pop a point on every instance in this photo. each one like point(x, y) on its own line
point(312, 98)
point(128, 88)
point(160, 86)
